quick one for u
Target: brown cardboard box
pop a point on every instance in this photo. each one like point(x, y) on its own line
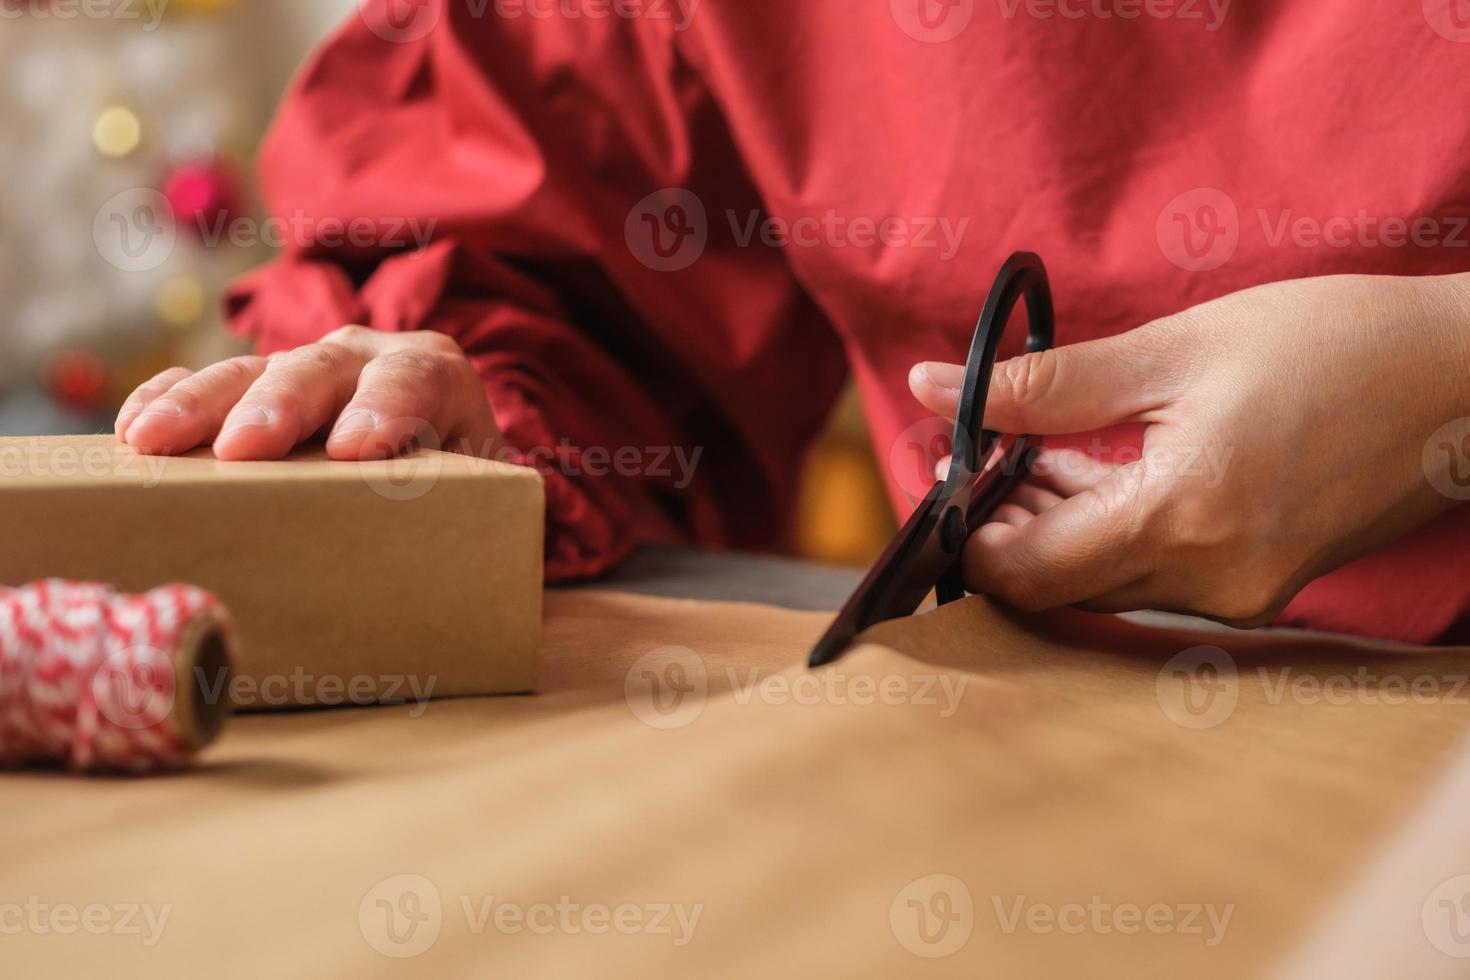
point(349, 582)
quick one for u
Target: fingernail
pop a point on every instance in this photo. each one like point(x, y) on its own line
point(249, 418)
point(939, 374)
point(355, 424)
point(164, 407)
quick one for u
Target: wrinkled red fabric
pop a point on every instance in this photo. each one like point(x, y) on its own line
point(1154, 161)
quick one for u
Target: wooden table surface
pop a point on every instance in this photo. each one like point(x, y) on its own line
point(968, 793)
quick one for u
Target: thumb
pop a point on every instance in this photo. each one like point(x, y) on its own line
point(1076, 388)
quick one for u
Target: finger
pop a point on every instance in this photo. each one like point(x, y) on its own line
point(937, 386)
point(1065, 389)
point(1083, 547)
point(1069, 471)
point(1035, 499)
point(1012, 514)
point(942, 465)
point(191, 412)
point(1024, 503)
point(146, 394)
point(299, 392)
point(414, 394)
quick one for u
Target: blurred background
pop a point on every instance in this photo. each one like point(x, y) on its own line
point(116, 113)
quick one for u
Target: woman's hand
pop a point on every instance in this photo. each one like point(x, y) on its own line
point(374, 392)
point(1286, 428)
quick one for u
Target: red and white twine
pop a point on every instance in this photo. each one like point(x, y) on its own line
point(88, 676)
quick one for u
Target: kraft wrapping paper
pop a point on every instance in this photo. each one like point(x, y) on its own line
point(966, 794)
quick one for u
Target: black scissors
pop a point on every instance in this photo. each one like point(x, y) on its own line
point(925, 554)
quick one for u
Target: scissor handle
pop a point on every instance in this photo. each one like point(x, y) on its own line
point(1022, 275)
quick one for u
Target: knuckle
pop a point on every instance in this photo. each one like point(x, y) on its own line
point(323, 357)
point(1195, 525)
point(439, 343)
point(1029, 377)
point(436, 370)
point(236, 370)
point(1132, 510)
point(348, 334)
point(1205, 525)
point(283, 399)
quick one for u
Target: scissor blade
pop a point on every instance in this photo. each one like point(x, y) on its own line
point(903, 575)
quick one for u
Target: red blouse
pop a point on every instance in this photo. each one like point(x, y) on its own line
point(679, 224)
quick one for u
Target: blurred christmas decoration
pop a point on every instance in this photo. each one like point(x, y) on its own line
point(125, 124)
point(843, 515)
point(180, 302)
point(77, 379)
point(117, 132)
point(203, 196)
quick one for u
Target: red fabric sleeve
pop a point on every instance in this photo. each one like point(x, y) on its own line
point(478, 182)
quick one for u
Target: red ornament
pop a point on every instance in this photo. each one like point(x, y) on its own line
point(77, 379)
point(204, 197)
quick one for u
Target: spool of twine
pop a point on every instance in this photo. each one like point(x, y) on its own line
point(97, 680)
